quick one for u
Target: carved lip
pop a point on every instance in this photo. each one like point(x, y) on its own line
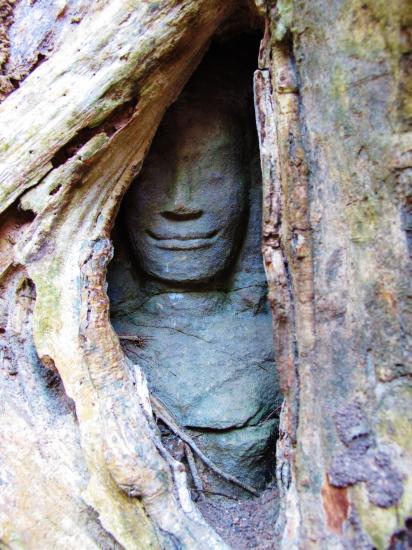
point(190, 241)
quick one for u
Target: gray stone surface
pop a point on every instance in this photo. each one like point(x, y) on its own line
point(188, 279)
point(241, 452)
point(185, 215)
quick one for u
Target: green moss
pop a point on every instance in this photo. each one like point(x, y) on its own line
point(102, 111)
point(394, 429)
point(284, 19)
point(153, 6)
point(393, 421)
point(379, 523)
point(339, 89)
point(372, 30)
point(93, 146)
point(48, 299)
point(363, 218)
point(11, 539)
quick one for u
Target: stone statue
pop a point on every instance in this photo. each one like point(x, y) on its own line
point(185, 216)
point(192, 285)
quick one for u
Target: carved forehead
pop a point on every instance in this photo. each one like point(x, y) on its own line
point(196, 126)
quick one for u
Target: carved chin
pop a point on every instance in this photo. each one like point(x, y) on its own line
point(198, 264)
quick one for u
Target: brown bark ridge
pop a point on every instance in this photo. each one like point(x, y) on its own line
point(334, 126)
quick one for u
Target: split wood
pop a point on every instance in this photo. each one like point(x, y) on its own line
point(166, 417)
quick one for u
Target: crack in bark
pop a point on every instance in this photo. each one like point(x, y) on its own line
point(112, 124)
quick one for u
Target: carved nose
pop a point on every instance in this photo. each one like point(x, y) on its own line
point(182, 213)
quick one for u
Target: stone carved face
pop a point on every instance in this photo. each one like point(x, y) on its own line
point(184, 214)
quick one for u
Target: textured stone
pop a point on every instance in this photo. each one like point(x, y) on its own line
point(194, 288)
point(244, 451)
point(185, 215)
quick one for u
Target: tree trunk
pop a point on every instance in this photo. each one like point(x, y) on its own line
point(81, 461)
point(336, 163)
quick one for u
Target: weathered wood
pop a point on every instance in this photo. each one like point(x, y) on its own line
point(138, 55)
point(330, 92)
point(82, 464)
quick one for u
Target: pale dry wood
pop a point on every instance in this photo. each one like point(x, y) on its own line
point(143, 51)
point(280, 294)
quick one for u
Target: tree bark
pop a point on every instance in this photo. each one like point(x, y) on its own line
point(334, 118)
point(81, 461)
point(86, 118)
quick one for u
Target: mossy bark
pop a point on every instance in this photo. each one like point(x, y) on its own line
point(86, 119)
point(334, 77)
point(81, 461)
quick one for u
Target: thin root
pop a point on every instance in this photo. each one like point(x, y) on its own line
point(193, 470)
point(165, 416)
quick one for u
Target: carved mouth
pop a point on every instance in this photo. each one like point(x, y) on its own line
point(190, 241)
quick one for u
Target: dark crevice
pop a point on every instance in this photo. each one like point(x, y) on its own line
point(53, 383)
point(114, 122)
point(55, 190)
point(13, 218)
point(406, 216)
point(18, 79)
point(41, 57)
point(402, 539)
